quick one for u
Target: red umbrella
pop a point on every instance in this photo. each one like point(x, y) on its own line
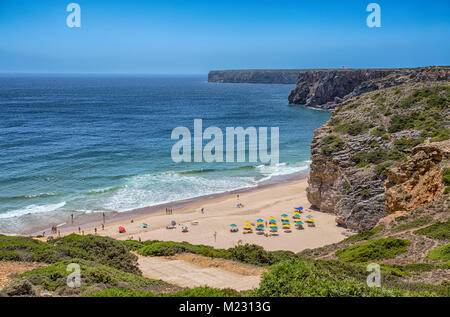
point(122, 229)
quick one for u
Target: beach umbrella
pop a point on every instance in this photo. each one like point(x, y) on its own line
point(299, 222)
point(122, 229)
point(260, 220)
point(285, 221)
point(271, 218)
point(233, 225)
point(247, 227)
point(284, 215)
point(247, 223)
point(299, 208)
point(285, 218)
point(272, 221)
point(309, 216)
point(296, 216)
point(259, 228)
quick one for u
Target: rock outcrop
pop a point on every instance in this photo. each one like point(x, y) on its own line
point(327, 88)
point(371, 138)
point(254, 76)
point(417, 181)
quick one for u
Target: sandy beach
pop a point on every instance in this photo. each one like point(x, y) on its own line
point(212, 226)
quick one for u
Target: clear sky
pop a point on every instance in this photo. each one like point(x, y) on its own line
point(195, 36)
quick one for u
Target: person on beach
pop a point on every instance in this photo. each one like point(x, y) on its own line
point(104, 218)
point(79, 230)
point(202, 210)
point(103, 226)
point(215, 236)
point(95, 230)
point(71, 216)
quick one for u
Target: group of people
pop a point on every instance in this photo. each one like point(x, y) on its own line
point(169, 211)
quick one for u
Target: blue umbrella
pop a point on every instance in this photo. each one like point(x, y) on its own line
point(284, 215)
point(233, 225)
point(285, 221)
point(259, 220)
point(299, 208)
point(272, 221)
point(296, 216)
point(260, 227)
point(309, 216)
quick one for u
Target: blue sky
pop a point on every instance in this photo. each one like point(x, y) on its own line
point(195, 36)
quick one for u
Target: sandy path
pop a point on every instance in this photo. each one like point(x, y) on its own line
point(185, 274)
point(9, 269)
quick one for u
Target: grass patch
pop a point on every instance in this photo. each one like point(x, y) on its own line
point(332, 144)
point(439, 230)
point(378, 249)
point(440, 254)
point(353, 128)
point(413, 224)
point(203, 291)
point(446, 177)
point(376, 157)
point(365, 235)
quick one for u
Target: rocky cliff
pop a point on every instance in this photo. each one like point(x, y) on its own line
point(327, 88)
point(382, 151)
point(254, 76)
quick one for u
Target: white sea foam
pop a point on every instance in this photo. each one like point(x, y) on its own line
point(32, 209)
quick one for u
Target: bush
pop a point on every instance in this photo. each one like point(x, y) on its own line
point(54, 277)
point(300, 278)
point(376, 157)
point(446, 177)
point(168, 248)
point(203, 291)
point(365, 235)
point(439, 230)
point(332, 144)
point(377, 249)
point(413, 224)
point(353, 128)
point(440, 254)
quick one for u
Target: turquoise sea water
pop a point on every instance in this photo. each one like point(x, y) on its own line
point(81, 144)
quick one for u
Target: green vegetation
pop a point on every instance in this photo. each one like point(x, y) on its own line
point(376, 249)
point(419, 222)
point(440, 254)
point(332, 144)
point(446, 177)
point(318, 278)
point(439, 230)
point(248, 253)
point(407, 143)
point(380, 169)
point(378, 131)
point(376, 157)
point(189, 292)
point(54, 277)
point(101, 250)
point(354, 127)
point(365, 235)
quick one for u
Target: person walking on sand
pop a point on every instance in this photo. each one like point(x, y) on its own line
point(71, 218)
point(202, 210)
point(79, 230)
point(103, 226)
point(215, 236)
point(95, 230)
point(104, 218)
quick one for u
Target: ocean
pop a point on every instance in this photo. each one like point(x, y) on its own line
point(102, 143)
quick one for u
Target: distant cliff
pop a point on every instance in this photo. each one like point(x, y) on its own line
point(254, 76)
point(327, 88)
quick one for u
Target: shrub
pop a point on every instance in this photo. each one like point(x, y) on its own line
point(379, 131)
point(403, 144)
point(440, 254)
point(203, 291)
point(439, 230)
point(413, 224)
point(54, 277)
point(300, 278)
point(365, 235)
point(376, 157)
point(446, 177)
point(354, 127)
point(332, 144)
point(377, 249)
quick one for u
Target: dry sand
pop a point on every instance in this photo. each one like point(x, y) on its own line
point(220, 212)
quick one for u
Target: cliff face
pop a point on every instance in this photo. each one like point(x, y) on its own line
point(381, 152)
point(327, 88)
point(254, 76)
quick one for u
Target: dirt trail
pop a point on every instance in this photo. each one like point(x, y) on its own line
point(9, 269)
point(186, 274)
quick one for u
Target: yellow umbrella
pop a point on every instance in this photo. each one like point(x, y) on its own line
point(247, 223)
point(247, 227)
point(272, 218)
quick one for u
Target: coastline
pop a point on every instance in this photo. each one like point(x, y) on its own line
point(211, 226)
